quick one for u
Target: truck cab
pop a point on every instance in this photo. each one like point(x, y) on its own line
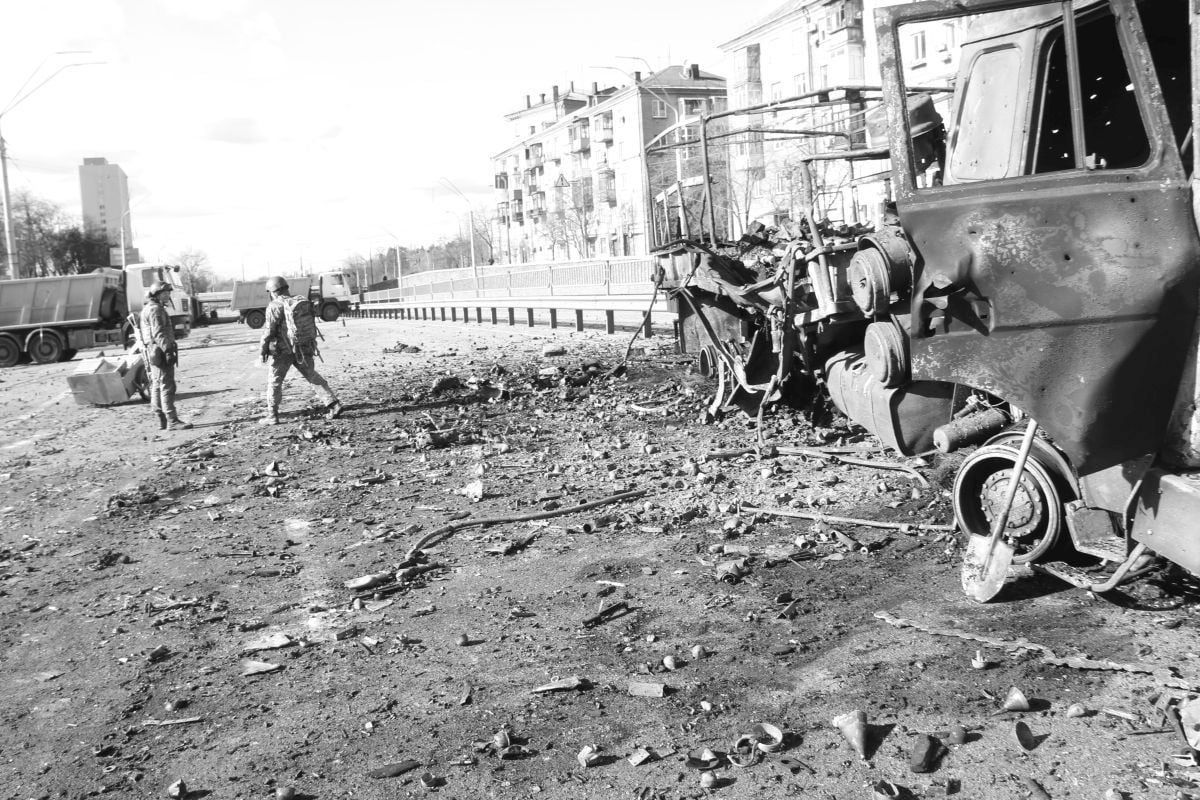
point(1054, 271)
point(140, 277)
point(332, 294)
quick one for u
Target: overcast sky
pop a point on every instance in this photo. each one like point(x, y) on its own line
point(263, 132)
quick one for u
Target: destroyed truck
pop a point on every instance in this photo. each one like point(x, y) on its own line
point(1036, 258)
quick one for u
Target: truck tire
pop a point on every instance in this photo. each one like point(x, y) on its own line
point(255, 319)
point(10, 350)
point(330, 312)
point(45, 347)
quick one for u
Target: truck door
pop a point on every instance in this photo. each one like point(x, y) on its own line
point(1057, 251)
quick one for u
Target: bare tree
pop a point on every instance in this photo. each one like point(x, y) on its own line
point(199, 272)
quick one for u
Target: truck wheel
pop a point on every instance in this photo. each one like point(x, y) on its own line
point(45, 347)
point(330, 312)
point(10, 350)
point(255, 319)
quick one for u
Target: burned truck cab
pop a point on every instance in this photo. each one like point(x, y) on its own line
point(1053, 269)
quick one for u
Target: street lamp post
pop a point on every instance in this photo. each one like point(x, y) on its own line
point(471, 233)
point(18, 98)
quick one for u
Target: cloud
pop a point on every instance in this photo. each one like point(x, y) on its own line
point(235, 130)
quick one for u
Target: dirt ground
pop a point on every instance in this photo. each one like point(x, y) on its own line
point(143, 575)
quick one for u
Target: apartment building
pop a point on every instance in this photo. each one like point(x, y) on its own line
point(803, 47)
point(104, 191)
point(575, 183)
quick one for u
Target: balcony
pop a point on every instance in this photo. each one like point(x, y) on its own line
point(606, 187)
point(602, 128)
point(537, 205)
point(518, 210)
point(579, 141)
point(535, 158)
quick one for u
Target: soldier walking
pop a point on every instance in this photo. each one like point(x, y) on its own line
point(161, 354)
point(290, 340)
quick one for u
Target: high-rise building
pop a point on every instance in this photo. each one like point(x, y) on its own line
point(104, 190)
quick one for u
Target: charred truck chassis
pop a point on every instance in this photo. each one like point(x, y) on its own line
point(1050, 270)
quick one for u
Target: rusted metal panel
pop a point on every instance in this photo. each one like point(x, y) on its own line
point(1070, 294)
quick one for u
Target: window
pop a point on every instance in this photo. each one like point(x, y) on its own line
point(917, 43)
point(1113, 133)
point(336, 280)
point(801, 82)
point(949, 36)
point(987, 117)
point(686, 134)
point(693, 106)
point(659, 110)
point(1006, 128)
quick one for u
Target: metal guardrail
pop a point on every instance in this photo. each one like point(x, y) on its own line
point(611, 276)
point(607, 285)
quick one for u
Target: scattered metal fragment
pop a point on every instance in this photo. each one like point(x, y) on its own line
point(1076, 710)
point(588, 756)
point(1036, 792)
point(177, 789)
point(1015, 700)
point(369, 581)
point(273, 642)
point(733, 571)
point(640, 756)
point(513, 751)
point(565, 685)
point(1024, 736)
point(853, 725)
point(607, 613)
point(392, 770)
point(924, 754)
point(164, 722)
point(252, 667)
point(644, 689)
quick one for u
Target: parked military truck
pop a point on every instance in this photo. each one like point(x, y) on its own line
point(1040, 261)
point(331, 294)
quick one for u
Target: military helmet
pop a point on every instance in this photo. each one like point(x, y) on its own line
point(157, 287)
point(276, 284)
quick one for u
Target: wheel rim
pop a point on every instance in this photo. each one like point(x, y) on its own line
point(707, 362)
point(45, 348)
point(1036, 518)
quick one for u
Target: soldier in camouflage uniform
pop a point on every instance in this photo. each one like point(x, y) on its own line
point(282, 354)
point(158, 340)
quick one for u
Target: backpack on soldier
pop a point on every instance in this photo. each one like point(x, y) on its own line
point(301, 326)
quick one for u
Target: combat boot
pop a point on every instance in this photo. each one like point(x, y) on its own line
point(162, 420)
point(174, 423)
point(333, 410)
point(272, 418)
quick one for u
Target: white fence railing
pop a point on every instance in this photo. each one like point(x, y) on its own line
point(609, 276)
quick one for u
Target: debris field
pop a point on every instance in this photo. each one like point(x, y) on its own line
point(510, 570)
